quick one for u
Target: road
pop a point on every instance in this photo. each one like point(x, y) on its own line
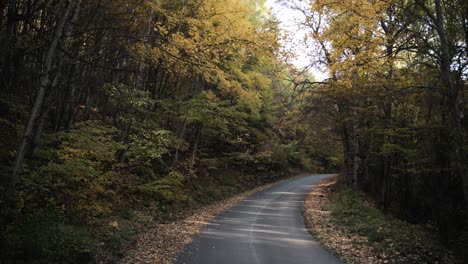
point(267, 227)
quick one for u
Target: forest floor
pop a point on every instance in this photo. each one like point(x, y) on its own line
point(350, 225)
point(162, 242)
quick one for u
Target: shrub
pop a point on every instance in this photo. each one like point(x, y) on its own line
point(46, 236)
point(79, 182)
point(168, 189)
point(401, 240)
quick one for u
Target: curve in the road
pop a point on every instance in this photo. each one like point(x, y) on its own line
point(267, 227)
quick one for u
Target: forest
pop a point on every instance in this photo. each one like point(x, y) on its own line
point(116, 112)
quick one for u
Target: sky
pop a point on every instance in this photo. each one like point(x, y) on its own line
point(288, 19)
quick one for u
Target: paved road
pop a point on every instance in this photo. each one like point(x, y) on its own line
point(267, 227)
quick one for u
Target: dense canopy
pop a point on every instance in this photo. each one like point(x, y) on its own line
point(114, 111)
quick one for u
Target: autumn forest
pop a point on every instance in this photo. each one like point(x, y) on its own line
point(117, 115)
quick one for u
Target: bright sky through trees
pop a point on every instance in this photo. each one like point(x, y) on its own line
point(294, 43)
point(120, 115)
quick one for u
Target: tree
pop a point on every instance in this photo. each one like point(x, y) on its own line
point(34, 126)
point(376, 53)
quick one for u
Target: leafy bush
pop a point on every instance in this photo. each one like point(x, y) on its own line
point(167, 188)
point(80, 181)
point(386, 234)
point(47, 237)
point(126, 102)
point(228, 180)
point(148, 145)
point(8, 139)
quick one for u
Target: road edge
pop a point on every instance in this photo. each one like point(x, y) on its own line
point(152, 246)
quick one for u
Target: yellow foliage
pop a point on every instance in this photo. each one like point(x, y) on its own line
point(211, 39)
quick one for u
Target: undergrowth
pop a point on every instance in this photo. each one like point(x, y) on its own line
point(397, 240)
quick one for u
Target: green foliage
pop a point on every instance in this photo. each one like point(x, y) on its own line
point(395, 104)
point(127, 103)
point(228, 180)
point(183, 94)
point(91, 143)
point(285, 154)
point(12, 109)
point(8, 137)
point(12, 113)
point(148, 145)
point(216, 116)
point(385, 233)
point(167, 188)
point(213, 193)
point(46, 236)
point(79, 181)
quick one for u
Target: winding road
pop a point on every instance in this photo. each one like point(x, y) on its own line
point(266, 228)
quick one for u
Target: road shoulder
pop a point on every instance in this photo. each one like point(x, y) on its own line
point(162, 243)
point(355, 230)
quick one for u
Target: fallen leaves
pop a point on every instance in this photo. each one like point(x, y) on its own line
point(162, 243)
point(352, 248)
point(380, 239)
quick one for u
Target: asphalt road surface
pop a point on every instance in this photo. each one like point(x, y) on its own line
point(267, 227)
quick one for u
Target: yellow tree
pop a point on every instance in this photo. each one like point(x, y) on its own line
point(364, 47)
point(212, 49)
point(209, 40)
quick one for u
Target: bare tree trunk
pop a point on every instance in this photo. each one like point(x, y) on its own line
point(140, 80)
point(69, 99)
point(76, 107)
point(180, 141)
point(457, 137)
point(465, 26)
point(195, 145)
point(355, 151)
point(347, 154)
point(40, 97)
point(37, 135)
point(7, 47)
point(11, 18)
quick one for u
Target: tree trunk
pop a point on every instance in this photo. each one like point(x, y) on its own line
point(140, 80)
point(69, 99)
point(347, 155)
point(87, 108)
point(3, 5)
point(355, 152)
point(195, 145)
point(180, 141)
point(34, 146)
point(29, 131)
point(8, 46)
point(457, 137)
point(11, 18)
